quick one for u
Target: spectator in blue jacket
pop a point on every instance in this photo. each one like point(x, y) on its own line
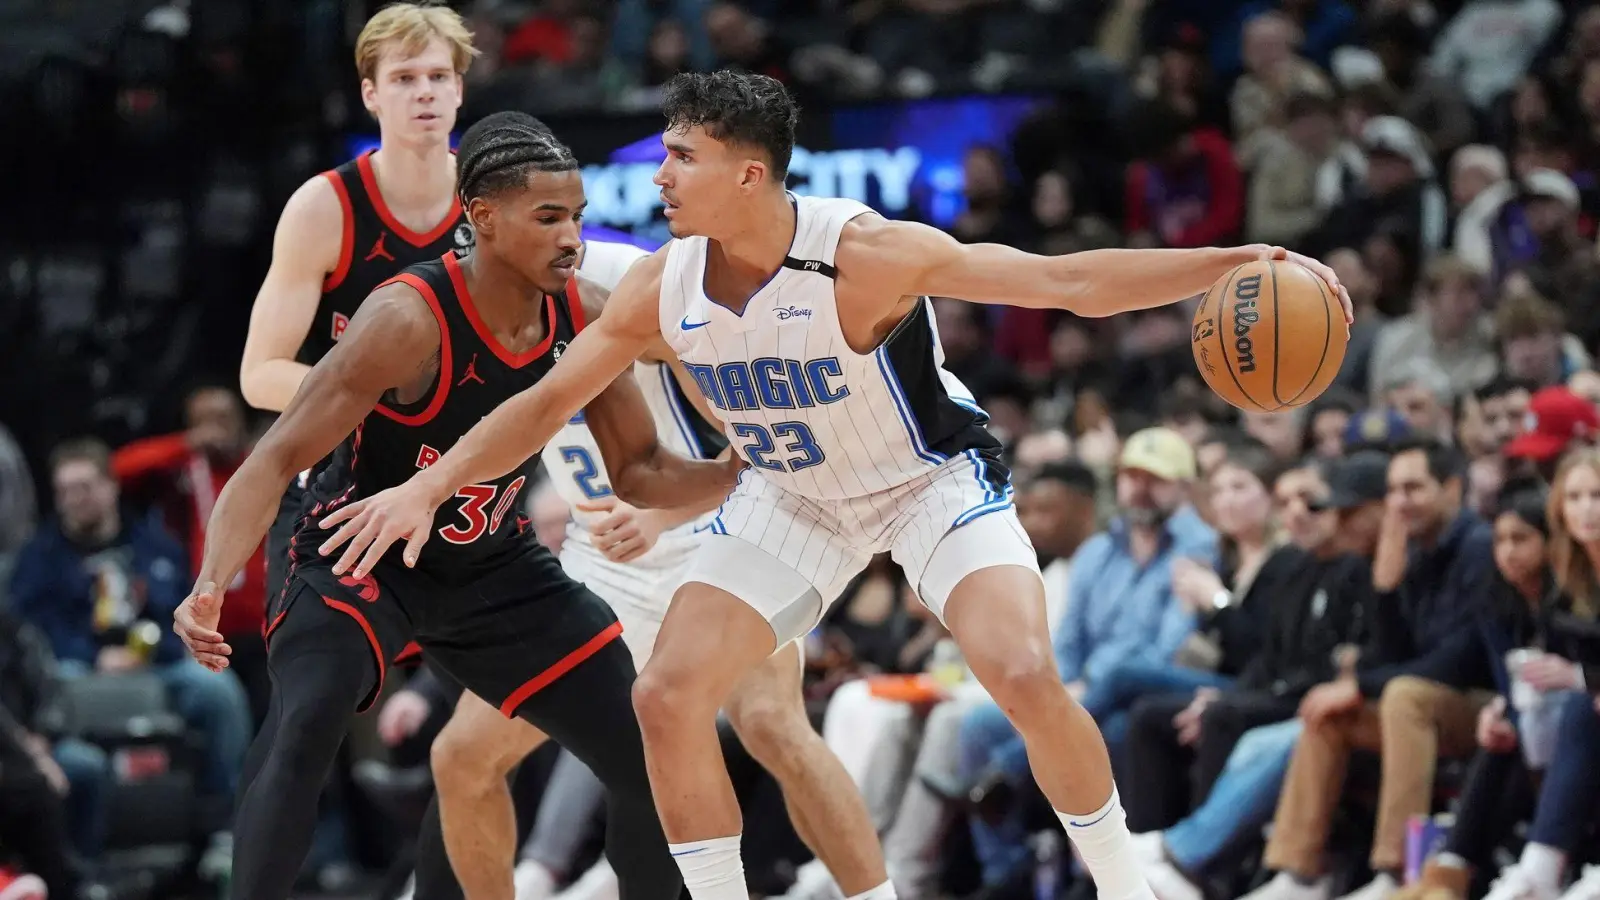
point(102, 589)
point(1120, 608)
point(1415, 692)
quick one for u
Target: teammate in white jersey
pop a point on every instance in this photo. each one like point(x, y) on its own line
point(635, 560)
point(807, 324)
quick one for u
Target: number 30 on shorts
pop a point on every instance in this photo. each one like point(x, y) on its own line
point(477, 522)
point(799, 446)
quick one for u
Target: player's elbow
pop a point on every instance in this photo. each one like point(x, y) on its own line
point(632, 481)
point(255, 387)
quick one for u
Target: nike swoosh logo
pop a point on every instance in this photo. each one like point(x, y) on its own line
point(686, 325)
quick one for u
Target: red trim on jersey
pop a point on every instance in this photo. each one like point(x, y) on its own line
point(563, 666)
point(347, 242)
point(575, 305)
point(369, 180)
point(514, 360)
point(372, 639)
point(442, 390)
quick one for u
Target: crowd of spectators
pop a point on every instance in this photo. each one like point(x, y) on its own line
point(1310, 638)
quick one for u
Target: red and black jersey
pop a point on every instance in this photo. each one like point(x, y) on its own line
point(374, 247)
point(481, 526)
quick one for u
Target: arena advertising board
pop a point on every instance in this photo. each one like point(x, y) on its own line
point(903, 159)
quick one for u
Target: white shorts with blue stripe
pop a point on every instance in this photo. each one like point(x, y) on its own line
point(791, 557)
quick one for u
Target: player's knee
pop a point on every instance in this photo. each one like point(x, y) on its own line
point(770, 727)
point(1023, 677)
point(314, 722)
point(464, 754)
point(663, 697)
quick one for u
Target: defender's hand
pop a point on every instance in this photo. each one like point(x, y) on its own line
point(1321, 270)
point(372, 525)
point(627, 533)
point(402, 716)
point(195, 622)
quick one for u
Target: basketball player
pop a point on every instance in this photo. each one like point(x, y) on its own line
point(427, 355)
point(634, 560)
point(345, 231)
point(806, 324)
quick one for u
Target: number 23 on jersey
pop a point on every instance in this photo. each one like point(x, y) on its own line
point(783, 447)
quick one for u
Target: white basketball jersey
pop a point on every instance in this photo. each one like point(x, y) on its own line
point(577, 471)
point(812, 415)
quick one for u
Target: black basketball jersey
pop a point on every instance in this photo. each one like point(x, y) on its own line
point(375, 246)
point(482, 525)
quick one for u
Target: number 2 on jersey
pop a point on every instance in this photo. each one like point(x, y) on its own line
point(475, 499)
point(799, 444)
point(586, 472)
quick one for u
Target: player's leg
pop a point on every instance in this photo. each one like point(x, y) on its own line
point(762, 578)
point(323, 668)
point(574, 795)
point(469, 835)
point(982, 578)
point(533, 643)
point(767, 710)
point(589, 712)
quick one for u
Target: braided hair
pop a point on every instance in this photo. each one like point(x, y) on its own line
point(502, 150)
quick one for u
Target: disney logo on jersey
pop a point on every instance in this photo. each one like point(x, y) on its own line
point(464, 237)
point(771, 383)
point(558, 349)
point(793, 312)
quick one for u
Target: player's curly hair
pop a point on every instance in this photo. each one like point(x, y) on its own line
point(735, 108)
point(502, 150)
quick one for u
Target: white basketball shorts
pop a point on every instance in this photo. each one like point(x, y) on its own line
point(790, 557)
point(638, 595)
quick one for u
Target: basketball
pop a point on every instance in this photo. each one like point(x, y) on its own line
point(1269, 336)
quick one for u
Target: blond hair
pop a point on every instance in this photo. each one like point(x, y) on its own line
point(1575, 574)
point(412, 26)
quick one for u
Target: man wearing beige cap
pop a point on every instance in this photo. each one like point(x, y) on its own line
point(1119, 607)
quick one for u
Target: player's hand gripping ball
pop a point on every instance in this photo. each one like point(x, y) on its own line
point(1269, 335)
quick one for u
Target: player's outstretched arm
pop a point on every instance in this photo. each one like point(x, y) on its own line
point(897, 259)
point(644, 473)
point(305, 249)
point(507, 437)
point(391, 341)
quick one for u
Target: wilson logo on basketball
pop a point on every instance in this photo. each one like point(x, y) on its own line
point(1245, 316)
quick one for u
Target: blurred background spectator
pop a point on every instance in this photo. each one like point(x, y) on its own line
point(1203, 565)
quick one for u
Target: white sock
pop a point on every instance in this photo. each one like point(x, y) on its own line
point(712, 869)
point(1545, 865)
point(883, 891)
point(1106, 847)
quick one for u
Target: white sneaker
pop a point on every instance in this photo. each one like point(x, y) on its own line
point(1517, 883)
point(1284, 886)
point(1170, 884)
point(813, 881)
point(1587, 887)
point(1381, 887)
point(1148, 848)
point(532, 881)
point(599, 883)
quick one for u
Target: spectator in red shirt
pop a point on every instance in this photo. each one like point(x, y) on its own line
point(178, 477)
point(1184, 190)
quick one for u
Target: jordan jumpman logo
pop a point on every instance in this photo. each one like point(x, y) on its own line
point(378, 249)
point(471, 373)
